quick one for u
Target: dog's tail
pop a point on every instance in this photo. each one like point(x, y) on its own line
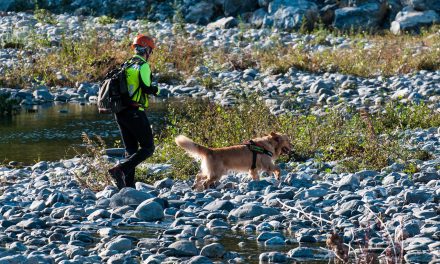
point(194, 149)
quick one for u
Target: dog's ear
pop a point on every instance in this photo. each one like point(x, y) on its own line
point(275, 136)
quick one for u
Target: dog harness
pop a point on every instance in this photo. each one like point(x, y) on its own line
point(256, 149)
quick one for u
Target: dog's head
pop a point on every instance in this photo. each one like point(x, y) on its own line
point(282, 143)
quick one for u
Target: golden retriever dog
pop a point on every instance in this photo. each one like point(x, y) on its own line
point(217, 162)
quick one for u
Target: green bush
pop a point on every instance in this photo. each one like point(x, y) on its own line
point(105, 20)
point(44, 16)
point(358, 141)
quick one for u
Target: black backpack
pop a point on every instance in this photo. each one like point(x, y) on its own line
point(113, 94)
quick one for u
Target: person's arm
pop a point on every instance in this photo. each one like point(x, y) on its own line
point(145, 80)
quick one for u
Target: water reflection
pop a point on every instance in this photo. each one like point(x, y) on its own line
point(48, 131)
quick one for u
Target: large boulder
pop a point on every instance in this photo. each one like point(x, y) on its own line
point(237, 7)
point(5, 5)
point(363, 17)
point(422, 5)
point(128, 196)
point(149, 211)
point(413, 21)
point(258, 17)
point(200, 13)
point(292, 14)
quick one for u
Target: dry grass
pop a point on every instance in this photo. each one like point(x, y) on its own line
point(89, 58)
point(388, 56)
point(95, 177)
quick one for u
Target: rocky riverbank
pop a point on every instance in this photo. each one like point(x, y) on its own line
point(47, 217)
point(292, 91)
point(397, 15)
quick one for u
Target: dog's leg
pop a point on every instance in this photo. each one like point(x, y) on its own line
point(275, 170)
point(254, 175)
point(199, 177)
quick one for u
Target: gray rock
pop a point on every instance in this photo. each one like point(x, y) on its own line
point(425, 177)
point(236, 7)
point(264, 236)
point(119, 244)
point(17, 246)
point(273, 257)
point(42, 165)
point(219, 205)
point(422, 5)
point(416, 196)
point(321, 86)
point(37, 206)
point(98, 214)
point(217, 224)
point(43, 95)
point(15, 259)
point(200, 260)
point(418, 257)
point(258, 185)
point(413, 21)
point(214, 250)
point(83, 236)
point(291, 14)
point(275, 241)
point(301, 252)
point(223, 23)
point(351, 179)
point(249, 211)
point(363, 17)
point(409, 229)
point(164, 183)
point(32, 223)
point(184, 249)
point(258, 17)
point(6, 4)
point(200, 13)
point(149, 211)
point(57, 197)
point(128, 196)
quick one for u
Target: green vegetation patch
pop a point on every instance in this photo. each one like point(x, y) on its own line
point(358, 140)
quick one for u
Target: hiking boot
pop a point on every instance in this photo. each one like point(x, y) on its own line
point(118, 177)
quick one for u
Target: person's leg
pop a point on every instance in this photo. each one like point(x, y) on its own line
point(130, 143)
point(140, 129)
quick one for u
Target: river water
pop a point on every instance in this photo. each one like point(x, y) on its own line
point(52, 131)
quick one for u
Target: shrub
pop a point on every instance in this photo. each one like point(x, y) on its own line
point(44, 16)
point(105, 20)
point(94, 176)
point(358, 142)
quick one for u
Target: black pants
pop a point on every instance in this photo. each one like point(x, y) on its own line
point(138, 140)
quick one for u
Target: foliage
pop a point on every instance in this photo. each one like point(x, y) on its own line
point(44, 16)
point(336, 136)
point(87, 59)
point(208, 82)
point(105, 20)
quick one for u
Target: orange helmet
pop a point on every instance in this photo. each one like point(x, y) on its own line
point(143, 41)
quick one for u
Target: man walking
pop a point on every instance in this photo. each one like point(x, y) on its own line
point(133, 122)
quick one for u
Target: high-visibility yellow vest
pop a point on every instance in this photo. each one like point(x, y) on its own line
point(139, 71)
